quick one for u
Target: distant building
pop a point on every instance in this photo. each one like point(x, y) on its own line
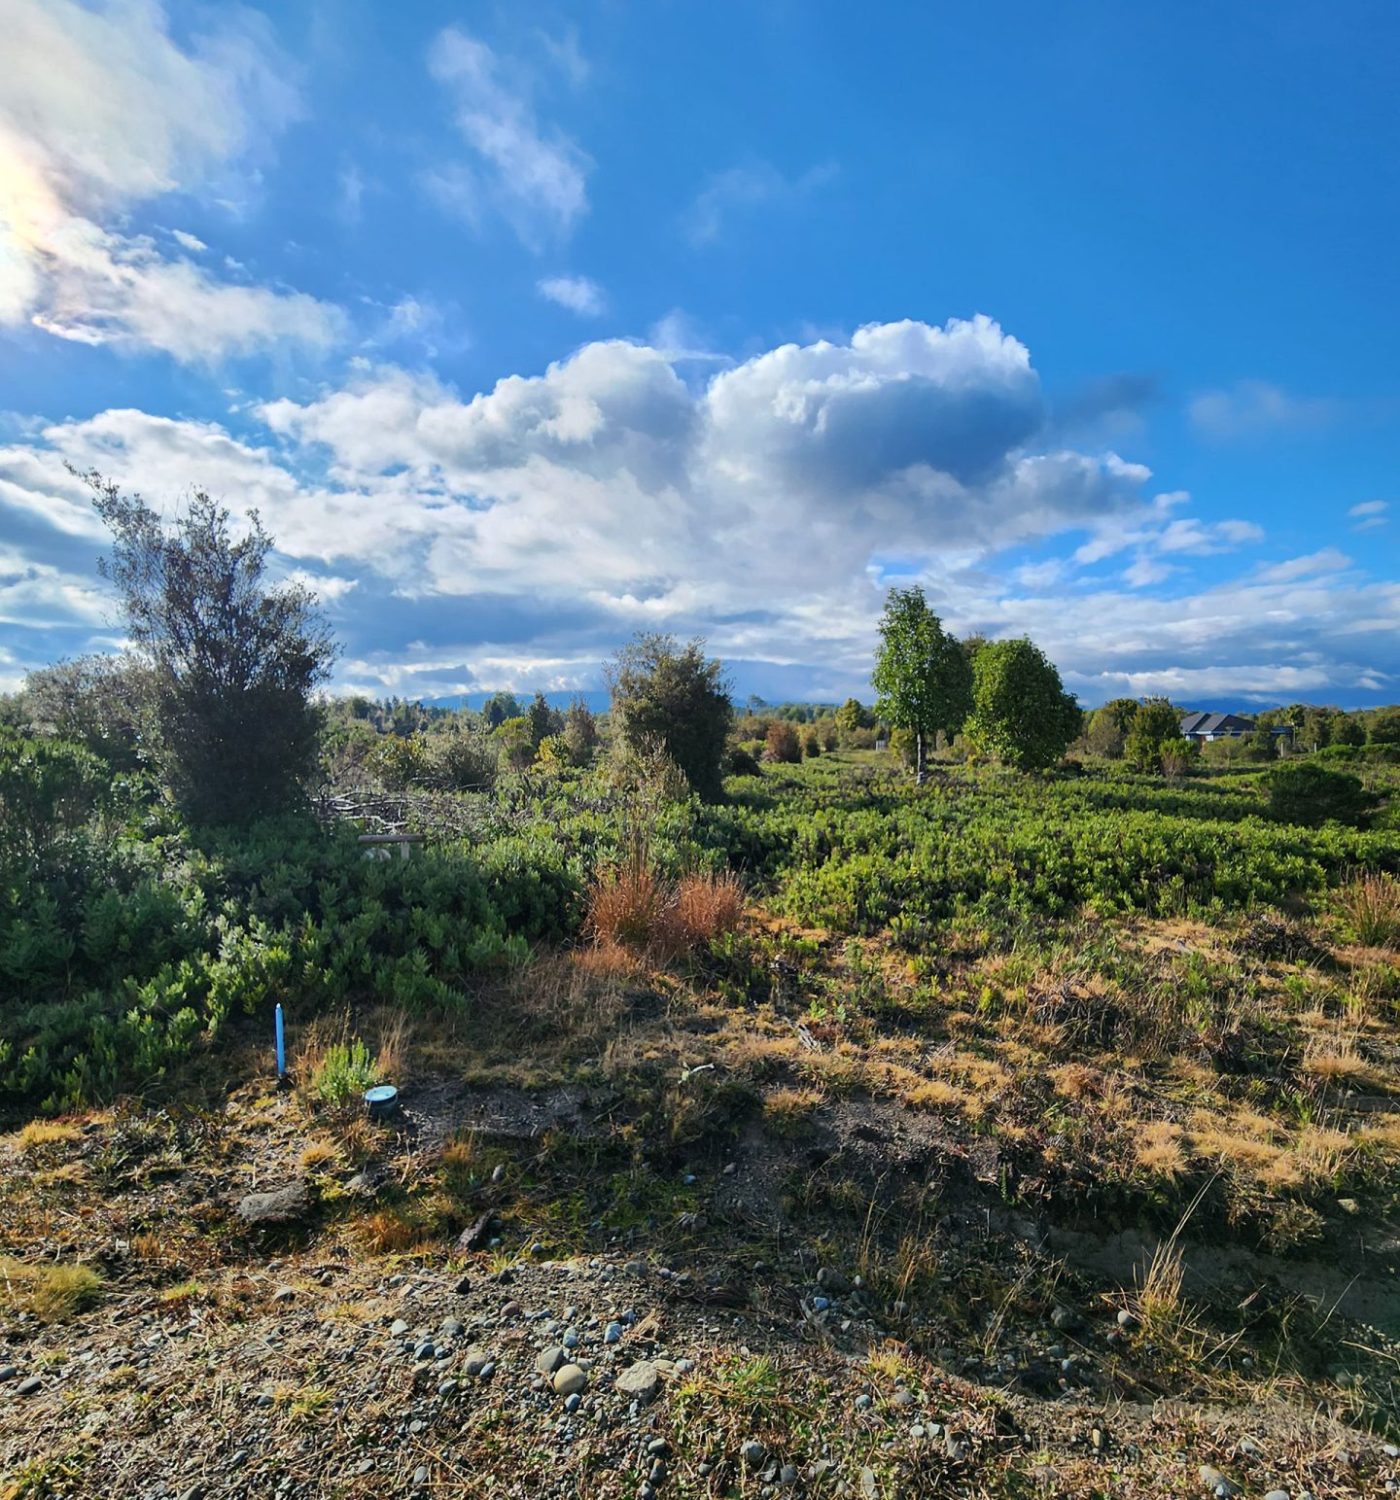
point(1203, 728)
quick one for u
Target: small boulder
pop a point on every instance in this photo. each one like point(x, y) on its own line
point(289, 1204)
point(569, 1380)
point(641, 1380)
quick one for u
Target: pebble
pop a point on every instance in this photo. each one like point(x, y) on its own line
point(1064, 1318)
point(424, 1351)
point(284, 1294)
point(787, 1474)
point(398, 1328)
point(612, 1334)
point(753, 1453)
point(549, 1360)
point(1127, 1320)
point(864, 1401)
point(569, 1379)
point(30, 1387)
point(420, 1475)
point(475, 1363)
point(574, 1402)
point(1217, 1484)
point(1277, 1495)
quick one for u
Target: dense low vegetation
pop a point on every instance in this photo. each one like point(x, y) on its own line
point(129, 936)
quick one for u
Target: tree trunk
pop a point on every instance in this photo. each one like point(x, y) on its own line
point(919, 756)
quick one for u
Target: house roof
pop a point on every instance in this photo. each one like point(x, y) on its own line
point(1208, 723)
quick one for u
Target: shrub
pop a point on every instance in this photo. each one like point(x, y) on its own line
point(635, 907)
point(1154, 729)
point(742, 761)
point(343, 1072)
point(1370, 907)
point(1310, 795)
point(781, 746)
point(811, 745)
point(464, 762)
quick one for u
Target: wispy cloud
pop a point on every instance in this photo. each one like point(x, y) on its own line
point(578, 293)
point(1251, 408)
point(1369, 515)
point(736, 191)
point(533, 174)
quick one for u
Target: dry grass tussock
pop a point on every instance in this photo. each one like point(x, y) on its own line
point(635, 908)
point(48, 1292)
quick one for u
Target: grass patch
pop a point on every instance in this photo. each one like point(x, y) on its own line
point(51, 1293)
point(1369, 905)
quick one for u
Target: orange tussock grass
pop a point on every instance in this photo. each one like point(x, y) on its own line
point(636, 908)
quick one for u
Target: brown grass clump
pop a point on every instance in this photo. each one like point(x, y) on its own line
point(1370, 907)
point(48, 1133)
point(319, 1156)
point(390, 1231)
point(635, 908)
point(1157, 1147)
point(706, 907)
point(789, 1110)
point(51, 1293)
point(1335, 1059)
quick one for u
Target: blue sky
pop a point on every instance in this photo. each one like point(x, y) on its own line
point(526, 327)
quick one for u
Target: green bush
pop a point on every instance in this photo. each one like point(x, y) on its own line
point(1310, 795)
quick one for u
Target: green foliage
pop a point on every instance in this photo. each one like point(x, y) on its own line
point(1155, 732)
point(232, 662)
point(856, 857)
point(1383, 726)
point(463, 761)
point(852, 715)
point(922, 674)
point(1310, 795)
point(1021, 714)
point(673, 697)
point(343, 1072)
point(580, 733)
point(1348, 729)
point(517, 742)
point(1108, 727)
point(100, 702)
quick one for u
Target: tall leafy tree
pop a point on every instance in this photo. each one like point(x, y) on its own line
point(1021, 714)
point(672, 696)
point(1155, 729)
point(922, 674)
point(233, 661)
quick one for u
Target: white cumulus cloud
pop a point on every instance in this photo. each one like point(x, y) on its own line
point(101, 109)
